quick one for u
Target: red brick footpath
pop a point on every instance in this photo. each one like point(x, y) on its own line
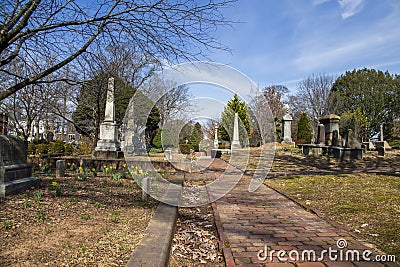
point(250, 224)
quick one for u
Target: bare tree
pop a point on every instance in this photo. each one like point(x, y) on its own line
point(32, 30)
point(172, 101)
point(313, 94)
point(274, 94)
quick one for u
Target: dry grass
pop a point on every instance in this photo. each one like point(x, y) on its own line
point(94, 221)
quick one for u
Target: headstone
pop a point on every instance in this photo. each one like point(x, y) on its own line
point(60, 168)
point(381, 151)
point(145, 184)
point(108, 147)
point(50, 137)
point(205, 146)
point(351, 140)
point(287, 125)
point(15, 171)
point(216, 143)
point(335, 138)
point(321, 135)
point(235, 141)
point(168, 154)
point(331, 124)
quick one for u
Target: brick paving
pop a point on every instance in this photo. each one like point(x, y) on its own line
point(250, 222)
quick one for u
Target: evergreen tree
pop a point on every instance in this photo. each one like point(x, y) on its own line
point(304, 129)
point(163, 139)
point(225, 129)
point(374, 93)
point(196, 136)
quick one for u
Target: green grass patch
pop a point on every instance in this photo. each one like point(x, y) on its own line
point(367, 202)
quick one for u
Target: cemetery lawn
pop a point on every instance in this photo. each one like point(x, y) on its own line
point(366, 203)
point(73, 221)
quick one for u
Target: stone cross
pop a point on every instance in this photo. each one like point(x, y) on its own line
point(235, 140)
point(110, 106)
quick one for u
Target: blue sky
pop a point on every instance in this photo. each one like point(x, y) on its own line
point(284, 41)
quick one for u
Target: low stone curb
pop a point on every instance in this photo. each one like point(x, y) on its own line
point(154, 249)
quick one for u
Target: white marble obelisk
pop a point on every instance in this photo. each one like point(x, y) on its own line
point(109, 129)
point(216, 136)
point(235, 141)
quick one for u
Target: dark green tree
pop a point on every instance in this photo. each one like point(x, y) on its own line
point(225, 129)
point(163, 139)
point(196, 136)
point(304, 129)
point(372, 92)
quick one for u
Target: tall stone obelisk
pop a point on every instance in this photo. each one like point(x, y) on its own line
point(108, 146)
point(235, 141)
point(216, 142)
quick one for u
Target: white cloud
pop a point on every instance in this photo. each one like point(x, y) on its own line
point(350, 7)
point(319, 2)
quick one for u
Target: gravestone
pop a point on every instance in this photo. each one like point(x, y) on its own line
point(351, 140)
point(335, 138)
point(108, 147)
point(50, 137)
point(235, 141)
point(168, 154)
point(381, 151)
point(321, 135)
point(331, 124)
point(206, 145)
point(15, 171)
point(60, 168)
point(287, 126)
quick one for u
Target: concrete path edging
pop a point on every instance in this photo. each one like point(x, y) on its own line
point(154, 249)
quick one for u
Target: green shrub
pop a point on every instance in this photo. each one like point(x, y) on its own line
point(395, 144)
point(68, 149)
point(31, 148)
point(163, 139)
point(40, 141)
point(56, 147)
point(185, 148)
point(85, 147)
point(156, 150)
point(304, 129)
point(42, 149)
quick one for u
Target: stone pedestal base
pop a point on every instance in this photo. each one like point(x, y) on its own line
point(108, 155)
point(235, 144)
point(16, 186)
point(108, 145)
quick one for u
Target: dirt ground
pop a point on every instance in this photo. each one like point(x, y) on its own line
point(73, 221)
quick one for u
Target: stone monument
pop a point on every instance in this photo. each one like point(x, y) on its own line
point(287, 126)
point(216, 142)
point(235, 141)
point(321, 135)
point(15, 171)
point(331, 124)
point(108, 147)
